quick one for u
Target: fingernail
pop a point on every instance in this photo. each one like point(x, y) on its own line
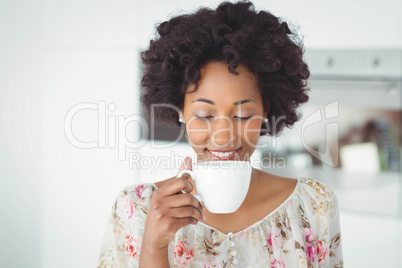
point(203, 216)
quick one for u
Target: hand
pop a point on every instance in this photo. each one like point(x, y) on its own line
point(170, 210)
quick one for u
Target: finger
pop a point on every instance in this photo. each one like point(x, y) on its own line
point(185, 212)
point(183, 200)
point(182, 222)
point(189, 187)
point(175, 186)
point(186, 164)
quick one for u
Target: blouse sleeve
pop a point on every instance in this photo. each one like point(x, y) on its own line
point(335, 248)
point(121, 245)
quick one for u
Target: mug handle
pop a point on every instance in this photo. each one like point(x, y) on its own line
point(191, 173)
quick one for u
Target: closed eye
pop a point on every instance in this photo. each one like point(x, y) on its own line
point(244, 118)
point(203, 118)
point(208, 117)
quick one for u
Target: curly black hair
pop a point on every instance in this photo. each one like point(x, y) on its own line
point(235, 34)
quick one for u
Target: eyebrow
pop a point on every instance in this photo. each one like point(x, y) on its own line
point(234, 103)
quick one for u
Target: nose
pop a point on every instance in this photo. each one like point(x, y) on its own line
point(224, 133)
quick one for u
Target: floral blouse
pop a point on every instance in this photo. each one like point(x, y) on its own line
point(304, 231)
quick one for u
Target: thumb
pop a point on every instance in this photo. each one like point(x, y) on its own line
point(186, 164)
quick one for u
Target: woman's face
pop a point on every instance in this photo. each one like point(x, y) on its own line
point(223, 117)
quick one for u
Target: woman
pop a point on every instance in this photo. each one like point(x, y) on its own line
point(233, 74)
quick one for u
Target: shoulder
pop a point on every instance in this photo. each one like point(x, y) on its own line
point(273, 186)
point(137, 192)
point(321, 196)
point(317, 189)
point(311, 192)
point(133, 198)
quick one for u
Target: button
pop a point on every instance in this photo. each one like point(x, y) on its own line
point(234, 253)
point(232, 244)
point(236, 261)
point(230, 234)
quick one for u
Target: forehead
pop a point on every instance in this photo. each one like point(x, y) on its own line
point(218, 84)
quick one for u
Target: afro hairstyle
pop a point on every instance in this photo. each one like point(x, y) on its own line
point(233, 33)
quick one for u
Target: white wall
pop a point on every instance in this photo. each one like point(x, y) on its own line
point(329, 24)
point(337, 24)
point(21, 123)
point(56, 198)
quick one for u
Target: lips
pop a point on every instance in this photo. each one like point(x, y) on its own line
point(223, 154)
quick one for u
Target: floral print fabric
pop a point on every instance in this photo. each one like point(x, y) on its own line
point(304, 231)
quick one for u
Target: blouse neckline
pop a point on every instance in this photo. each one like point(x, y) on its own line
point(230, 234)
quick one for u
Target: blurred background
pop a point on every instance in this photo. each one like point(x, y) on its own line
point(72, 134)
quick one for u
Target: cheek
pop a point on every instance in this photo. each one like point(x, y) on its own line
point(251, 133)
point(197, 136)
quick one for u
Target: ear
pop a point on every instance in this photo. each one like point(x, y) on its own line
point(181, 115)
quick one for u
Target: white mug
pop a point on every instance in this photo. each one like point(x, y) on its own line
point(221, 186)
